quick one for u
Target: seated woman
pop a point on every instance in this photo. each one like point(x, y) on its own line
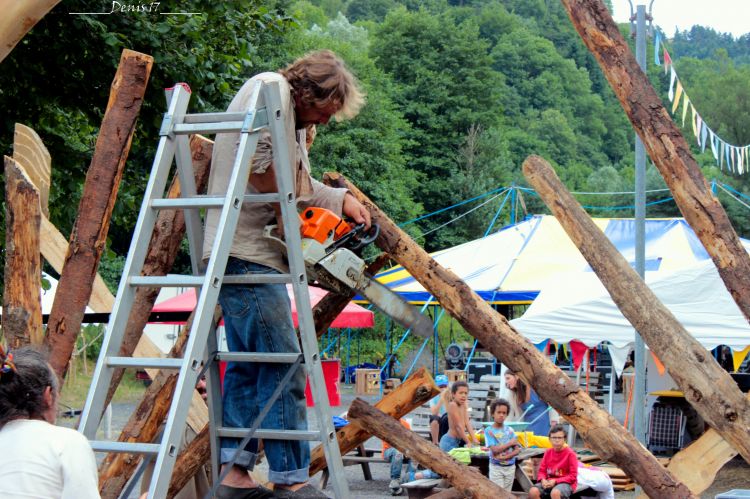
point(460, 431)
point(528, 402)
point(39, 459)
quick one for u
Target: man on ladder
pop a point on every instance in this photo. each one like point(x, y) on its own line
point(258, 317)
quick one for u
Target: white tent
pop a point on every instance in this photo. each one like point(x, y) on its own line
point(578, 307)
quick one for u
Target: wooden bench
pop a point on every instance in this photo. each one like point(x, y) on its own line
point(359, 456)
point(424, 487)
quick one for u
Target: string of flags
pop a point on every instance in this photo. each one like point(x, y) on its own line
point(735, 158)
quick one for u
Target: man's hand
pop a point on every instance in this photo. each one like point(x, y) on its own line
point(355, 210)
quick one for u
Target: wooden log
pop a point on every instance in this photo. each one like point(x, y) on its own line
point(707, 386)
point(189, 461)
point(464, 478)
point(29, 151)
point(665, 145)
point(145, 422)
point(89, 234)
point(22, 306)
point(162, 251)
point(601, 431)
point(328, 308)
point(18, 18)
point(413, 392)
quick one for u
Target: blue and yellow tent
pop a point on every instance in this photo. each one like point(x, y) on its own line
point(512, 265)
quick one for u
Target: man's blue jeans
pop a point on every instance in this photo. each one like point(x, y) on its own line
point(397, 462)
point(258, 318)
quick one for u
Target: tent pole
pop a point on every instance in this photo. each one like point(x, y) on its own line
point(612, 376)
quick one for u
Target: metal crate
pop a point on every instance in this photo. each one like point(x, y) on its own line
point(666, 428)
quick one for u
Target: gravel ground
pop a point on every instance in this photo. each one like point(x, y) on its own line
point(734, 475)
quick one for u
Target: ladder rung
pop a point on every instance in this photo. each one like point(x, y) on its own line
point(168, 281)
point(224, 431)
point(276, 358)
point(145, 362)
point(185, 281)
point(211, 123)
point(211, 201)
point(129, 447)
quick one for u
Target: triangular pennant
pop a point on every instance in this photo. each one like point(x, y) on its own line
point(677, 95)
point(578, 350)
point(704, 134)
point(542, 346)
point(619, 356)
point(738, 357)
point(721, 153)
point(659, 366)
point(693, 118)
point(685, 106)
point(667, 61)
point(731, 158)
point(657, 42)
point(670, 93)
point(711, 138)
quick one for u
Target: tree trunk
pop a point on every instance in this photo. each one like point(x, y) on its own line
point(707, 386)
point(145, 422)
point(89, 233)
point(327, 309)
point(413, 392)
point(600, 430)
point(169, 231)
point(18, 18)
point(22, 307)
point(465, 479)
point(189, 461)
point(450, 494)
point(665, 145)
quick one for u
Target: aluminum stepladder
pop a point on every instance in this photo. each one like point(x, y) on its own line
point(263, 112)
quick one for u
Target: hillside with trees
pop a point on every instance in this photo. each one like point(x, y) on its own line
point(459, 93)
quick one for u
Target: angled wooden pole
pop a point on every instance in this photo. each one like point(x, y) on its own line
point(707, 386)
point(602, 432)
point(18, 18)
point(89, 234)
point(665, 145)
point(416, 390)
point(22, 307)
point(464, 478)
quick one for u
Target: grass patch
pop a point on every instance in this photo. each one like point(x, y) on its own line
point(77, 383)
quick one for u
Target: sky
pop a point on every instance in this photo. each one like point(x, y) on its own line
point(732, 16)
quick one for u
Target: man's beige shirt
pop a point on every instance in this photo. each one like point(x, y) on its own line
point(249, 243)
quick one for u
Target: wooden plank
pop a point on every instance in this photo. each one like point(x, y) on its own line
point(29, 151)
point(707, 386)
point(22, 306)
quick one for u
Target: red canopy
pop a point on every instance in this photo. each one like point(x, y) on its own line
point(353, 315)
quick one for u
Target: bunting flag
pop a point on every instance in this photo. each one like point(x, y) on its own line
point(657, 42)
point(578, 350)
point(542, 347)
point(739, 356)
point(659, 366)
point(737, 158)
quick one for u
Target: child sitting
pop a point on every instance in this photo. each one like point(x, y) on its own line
point(502, 444)
point(558, 471)
point(460, 433)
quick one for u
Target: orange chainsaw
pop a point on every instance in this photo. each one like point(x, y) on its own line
point(330, 249)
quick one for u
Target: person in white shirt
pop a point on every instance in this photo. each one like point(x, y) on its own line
point(38, 459)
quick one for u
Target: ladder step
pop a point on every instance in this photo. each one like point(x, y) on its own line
point(203, 201)
point(210, 123)
point(225, 431)
point(129, 447)
point(145, 362)
point(186, 281)
point(275, 358)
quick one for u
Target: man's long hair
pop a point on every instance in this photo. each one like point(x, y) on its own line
point(321, 78)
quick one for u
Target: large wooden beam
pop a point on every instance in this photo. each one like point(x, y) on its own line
point(22, 307)
point(89, 234)
point(18, 18)
point(29, 151)
point(600, 430)
point(413, 392)
point(707, 386)
point(467, 480)
point(162, 252)
point(665, 144)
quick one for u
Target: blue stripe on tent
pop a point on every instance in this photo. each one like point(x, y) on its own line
point(488, 296)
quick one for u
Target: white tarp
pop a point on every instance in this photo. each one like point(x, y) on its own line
point(578, 307)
